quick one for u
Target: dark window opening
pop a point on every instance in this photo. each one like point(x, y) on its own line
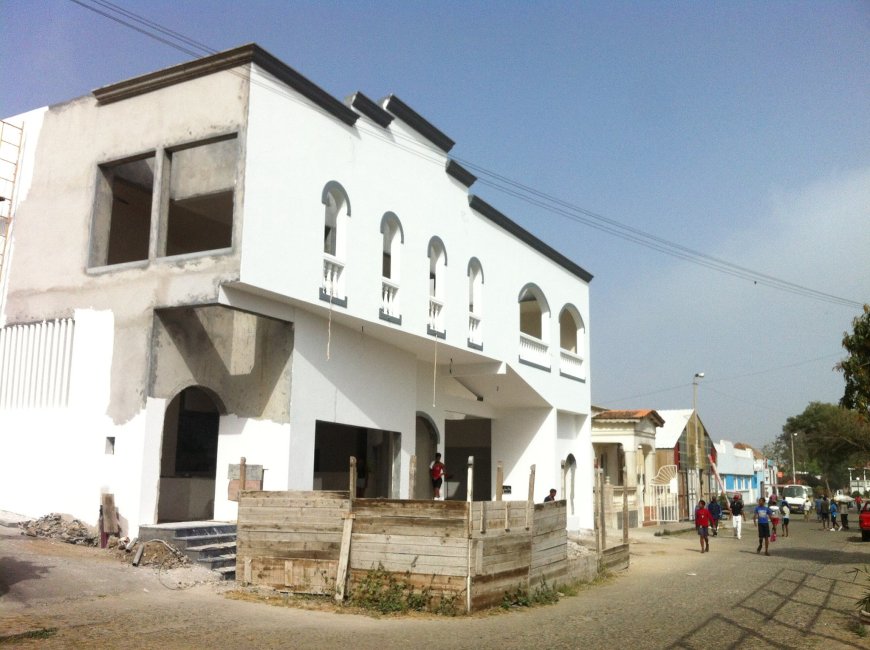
point(123, 226)
point(201, 197)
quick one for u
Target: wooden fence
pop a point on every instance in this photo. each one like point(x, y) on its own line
point(320, 542)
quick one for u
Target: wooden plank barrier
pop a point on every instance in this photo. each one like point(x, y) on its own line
point(473, 552)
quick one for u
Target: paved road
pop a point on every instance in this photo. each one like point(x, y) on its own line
point(672, 597)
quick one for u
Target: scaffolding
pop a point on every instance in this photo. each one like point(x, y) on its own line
point(10, 152)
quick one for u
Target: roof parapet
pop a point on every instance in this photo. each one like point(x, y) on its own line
point(370, 109)
point(482, 207)
point(251, 53)
point(417, 122)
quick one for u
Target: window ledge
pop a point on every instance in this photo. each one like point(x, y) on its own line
point(339, 302)
point(526, 362)
point(436, 333)
point(395, 320)
point(475, 346)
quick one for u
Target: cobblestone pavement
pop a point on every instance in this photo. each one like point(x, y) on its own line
point(672, 596)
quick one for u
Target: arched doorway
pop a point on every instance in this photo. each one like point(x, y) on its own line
point(188, 459)
point(427, 445)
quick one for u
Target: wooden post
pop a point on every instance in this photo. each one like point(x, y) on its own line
point(530, 504)
point(499, 480)
point(412, 478)
point(624, 515)
point(469, 492)
point(243, 476)
point(344, 557)
point(352, 480)
point(507, 515)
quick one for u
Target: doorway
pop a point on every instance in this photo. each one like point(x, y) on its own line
point(377, 459)
point(188, 459)
point(469, 437)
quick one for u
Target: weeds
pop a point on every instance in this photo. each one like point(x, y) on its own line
point(381, 591)
point(543, 594)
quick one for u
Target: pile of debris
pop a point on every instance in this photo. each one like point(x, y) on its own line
point(62, 527)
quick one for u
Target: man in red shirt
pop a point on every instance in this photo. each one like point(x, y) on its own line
point(703, 521)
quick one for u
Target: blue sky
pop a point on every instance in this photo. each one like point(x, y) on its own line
point(741, 130)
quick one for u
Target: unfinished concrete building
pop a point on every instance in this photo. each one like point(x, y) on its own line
point(220, 260)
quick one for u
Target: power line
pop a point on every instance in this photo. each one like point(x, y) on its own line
point(494, 180)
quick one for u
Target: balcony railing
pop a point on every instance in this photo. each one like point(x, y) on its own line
point(332, 283)
point(389, 298)
point(436, 318)
point(534, 350)
point(571, 364)
point(475, 334)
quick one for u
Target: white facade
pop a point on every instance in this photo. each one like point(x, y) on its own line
point(229, 249)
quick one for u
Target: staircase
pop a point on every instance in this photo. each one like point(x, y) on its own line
point(211, 543)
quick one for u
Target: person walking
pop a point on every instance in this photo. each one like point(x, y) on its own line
point(761, 519)
point(825, 513)
point(715, 512)
point(833, 511)
point(737, 515)
point(703, 521)
point(807, 505)
point(786, 511)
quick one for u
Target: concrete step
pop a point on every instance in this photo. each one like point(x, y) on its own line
point(209, 543)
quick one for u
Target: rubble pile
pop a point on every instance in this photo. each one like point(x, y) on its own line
point(160, 554)
point(62, 527)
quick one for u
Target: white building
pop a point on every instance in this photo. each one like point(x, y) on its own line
point(220, 260)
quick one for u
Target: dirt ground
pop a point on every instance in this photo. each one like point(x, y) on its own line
point(56, 595)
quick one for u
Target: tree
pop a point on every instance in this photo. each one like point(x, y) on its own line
point(834, 437)
point(856, 367)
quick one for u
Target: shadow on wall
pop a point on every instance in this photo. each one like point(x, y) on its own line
point(243, 358)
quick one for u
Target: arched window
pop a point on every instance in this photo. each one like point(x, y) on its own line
point(391, 257)
point(534, 315)
point(437, 281)
point(336, 213)
point(475, 304)
point(572, 343)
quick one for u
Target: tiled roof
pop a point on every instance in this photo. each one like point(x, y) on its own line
point(637, 414)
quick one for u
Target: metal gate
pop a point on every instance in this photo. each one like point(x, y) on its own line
point(663, 494)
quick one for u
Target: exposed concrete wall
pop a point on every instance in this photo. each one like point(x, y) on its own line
point(50, 278)
point(242, 358)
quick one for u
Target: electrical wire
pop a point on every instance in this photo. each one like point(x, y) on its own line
point(489, 178)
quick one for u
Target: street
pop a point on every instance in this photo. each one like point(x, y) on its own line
point(672, 596)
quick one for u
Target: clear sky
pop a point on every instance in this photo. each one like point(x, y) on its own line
point(740, 130)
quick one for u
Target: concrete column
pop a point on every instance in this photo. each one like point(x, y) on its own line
point(630, 468)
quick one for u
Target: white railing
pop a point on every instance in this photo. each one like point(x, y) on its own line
point(436, 318)
point(571, 364)
point(35, 364)
point(389, 298)
point(475, 334)
point(332, 282)
point(534, 350)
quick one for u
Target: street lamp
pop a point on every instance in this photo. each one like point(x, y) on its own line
point(793, 470)
point(698, 376)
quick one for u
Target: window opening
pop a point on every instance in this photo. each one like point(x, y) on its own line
point(201, 197)
point(122, 226)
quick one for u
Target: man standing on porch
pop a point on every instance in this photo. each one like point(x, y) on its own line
point(436, 470)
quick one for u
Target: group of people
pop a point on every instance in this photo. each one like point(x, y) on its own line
point(766, 516)
point(827, 512)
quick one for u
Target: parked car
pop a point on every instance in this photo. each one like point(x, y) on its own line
point(864, 521)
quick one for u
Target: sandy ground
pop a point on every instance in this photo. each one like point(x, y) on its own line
point(801, 596)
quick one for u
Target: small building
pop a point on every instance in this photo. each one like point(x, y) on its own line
point(736, 466)
point(222, 260)
point(624, 442)
point(683, 442)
